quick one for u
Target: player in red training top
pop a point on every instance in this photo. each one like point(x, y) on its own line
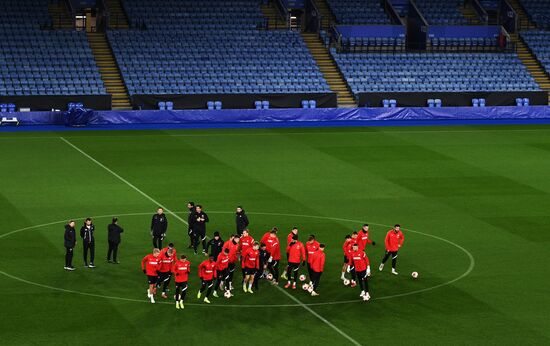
point(181, 270)
point(167, 257)
point(362, 268)
point(207, 273)
point(312, 246)
point(233, 245)
point(317, 268)
point(346, 248)
point(222, 265)
point(293, 232)
point(245, 242)
point(363, 238)
point(394, 240)
point(250, 264)
point(273, 246)
point(150, 265)
point(296, 254)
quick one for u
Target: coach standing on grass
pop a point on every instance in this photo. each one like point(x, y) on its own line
point(70, 243)
point(241, 220)
point(191, 207)
point(199, 221)
point(88, 242)
point(113, 237)
point(159, 225)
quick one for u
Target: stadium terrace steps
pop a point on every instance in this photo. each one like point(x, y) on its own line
point(532, 64)
point(60, 15)
point(330, 71)
point(117, 16)
point(469, 13)
point(108, 68)
point(327, 17)
point(523, 19)
point(274, 20)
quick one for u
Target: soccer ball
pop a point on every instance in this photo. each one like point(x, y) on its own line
point(305, 287)
point(269, 277)
point(227, 294)
point(346, 282)
point(302, 277)
point(414, 275)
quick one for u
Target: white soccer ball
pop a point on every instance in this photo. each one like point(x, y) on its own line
point(414, 275)
point(305, 287)
point(227, 294)
point(302, 277)
point(346, 282)
point(310, 289)
point(269, 277)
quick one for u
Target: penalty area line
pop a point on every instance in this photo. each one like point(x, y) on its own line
point(122, 179)
point(324, 320)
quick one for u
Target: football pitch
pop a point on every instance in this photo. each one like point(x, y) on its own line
point(474, 203)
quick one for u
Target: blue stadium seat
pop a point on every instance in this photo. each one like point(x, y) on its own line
point(312, 104)
point(265, 104)
point(169, 105)
point(162, 105)
point(217, 105)
point(258, 104)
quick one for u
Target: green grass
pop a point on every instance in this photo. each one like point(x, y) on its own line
point(485, 189)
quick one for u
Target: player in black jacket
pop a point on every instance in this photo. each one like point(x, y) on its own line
point(69, 243)
point(198, 224)
point(191, 207)
point(88, 242)
point(264, 257)
point(159, 225)
point(241, 220)
point(215, 245)
point(113, 237)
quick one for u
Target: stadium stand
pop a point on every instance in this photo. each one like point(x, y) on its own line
point(214, 47)
point(539, 43)
point(452, 72)
point(358, 12)
point(538, 12)
point(35, 61)
point(442, 12)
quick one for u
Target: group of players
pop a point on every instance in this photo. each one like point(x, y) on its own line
point(258, 260)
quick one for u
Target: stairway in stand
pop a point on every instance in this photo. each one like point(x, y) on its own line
point(271, 13)
point(525, 54)
point(327, 17)
point(330, 70)
point(470, 14)
point(60, 15)
point(117, 15)
point(523, 18)
point(532, 64)
point(110, 74)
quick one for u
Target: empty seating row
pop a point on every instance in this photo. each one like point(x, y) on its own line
point(442, 12)
point(195, 49)
point(434, 72)
point(358, 12)
point(43, 62)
